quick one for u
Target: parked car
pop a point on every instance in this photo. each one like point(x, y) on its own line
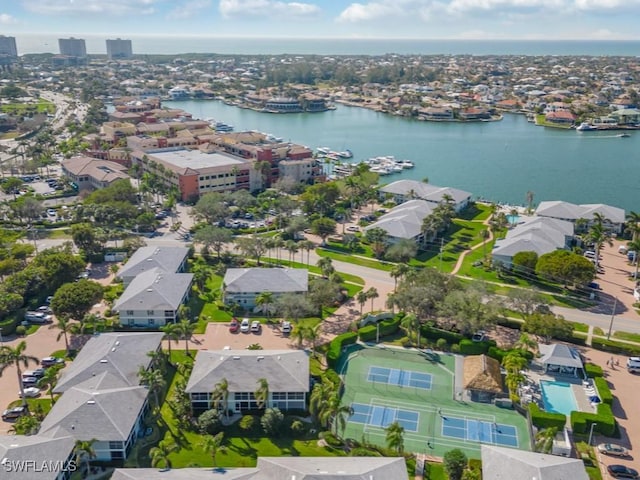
point(353, 228)
point(479, 336)
point(15, 412)
point(44, 309)
point(244, 325)
point(51, 212)
point(37, 317)
point(38, 373)
point(51, 361)
point(286, 327)
point(622, 471)
point(234, 326)
point(29, 381)
point(613, 450)
point(30, 392)
point(255, 326)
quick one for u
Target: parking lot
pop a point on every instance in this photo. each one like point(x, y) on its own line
point(217, 337)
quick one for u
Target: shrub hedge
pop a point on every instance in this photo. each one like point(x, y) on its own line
point(469, 347)
point(9, 325)
point(499, 354)
point(542, 419)
point(592, 370)
point(510, 323)
point(435, 333)
point(606, 423)
point(603, 390)
point(615, 347)
point(367, 333)
point(387, 327)
point(336, 345)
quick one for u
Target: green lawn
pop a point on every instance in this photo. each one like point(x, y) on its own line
point(631, 337)
point(42, 106)
point(312, 268)
point(349, 258)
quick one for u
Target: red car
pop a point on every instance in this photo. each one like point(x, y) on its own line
point(234, 326)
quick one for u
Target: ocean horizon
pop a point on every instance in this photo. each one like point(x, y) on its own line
point(176, 45)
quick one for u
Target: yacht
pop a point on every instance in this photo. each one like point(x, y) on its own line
point(585, 127)
point(407, 164)
point(623, 135)
point(323, 150)
point(345, 154)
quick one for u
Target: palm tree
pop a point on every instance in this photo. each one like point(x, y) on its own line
point(170, 331)
point(16, 356)
point(526, 342)
point(399, 270)
point(312, 334)
point(307, 245)
point(362, 298)
point(49, 380)
point(185, 329)
point(634, 246)
point(598, 235)
point(325, 264)
point(66, 327)
point(299, 334)
point(336, 414)
point(372, 294)
point(395, 437)
point(262, 393)
point(291, 247)
point(544, 439)
point(319, 399)
point(154, 381)
point(633, 224)
point(265, 300)
point(212, 444)
point(160, 454)
point(220, 395)
point(485, 235)
point(84, 452)
point(411, 323)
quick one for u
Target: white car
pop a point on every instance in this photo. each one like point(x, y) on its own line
point(30, 392)
point(244, 325)
point(255, 326)
point(286, 327)
point(353, 228)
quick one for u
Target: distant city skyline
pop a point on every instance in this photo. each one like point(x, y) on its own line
point(402, 19)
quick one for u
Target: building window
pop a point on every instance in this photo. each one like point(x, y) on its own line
point(149, 312)
point(129, 312)
point(117, 445)
point(199, 396)
point(168, 313)
point(151, 322)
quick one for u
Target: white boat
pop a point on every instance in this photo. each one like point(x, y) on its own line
point(221, 127)
point(323, 150)
point(585, 127)
point(380, 170)
point(623, 135)
point(396, 168)
point(407, 164)
point(345, 154)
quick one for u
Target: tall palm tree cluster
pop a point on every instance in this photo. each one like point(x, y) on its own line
point(324, 405)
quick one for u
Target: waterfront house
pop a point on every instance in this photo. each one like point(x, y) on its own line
point(120, 354)
point(561, 117)
point(153, 298)
point(501, 463)
point(286, 371)
point(166, 259)
point(534, 234)
point(284, 468)
point(614, 217)
point(404, 190)
point(626, 116)
point(243, 285)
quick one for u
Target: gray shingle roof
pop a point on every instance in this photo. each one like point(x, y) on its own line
point(17, 448)
point(405, 220)
point(500, 463)
point(538, 234)
point(168, 259)
point(275, 280)
point(559, 354)
point(120, 354)
point(285, 468)
point(425, 191)
point(155, 289)
point(571, 211)
point(89, 410)
point(285, 370)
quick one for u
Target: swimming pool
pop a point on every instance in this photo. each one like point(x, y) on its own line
point(558, 397)
point(513, 219)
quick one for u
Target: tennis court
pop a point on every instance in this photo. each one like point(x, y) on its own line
point(400, 378)
point(480, 431)
point(383, 416)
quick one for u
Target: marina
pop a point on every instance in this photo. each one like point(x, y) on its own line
point(499, 161)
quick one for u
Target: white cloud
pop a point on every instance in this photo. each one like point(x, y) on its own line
point(6, 19)
point(359, 12)
point(189, 9)
point(267, 8)
point(92, 7)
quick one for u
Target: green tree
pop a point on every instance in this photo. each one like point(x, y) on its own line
point(185, 329)
point(26, 425)
point(75, 300)
point(154, 381)
point(210, 422)
point(15, 357)
point(265, 301)
point(220, 396)
point(397, 272)
point(372, 294)
point(361, 298)
point(171, 333)
point(293, 307)
point(411, 324)
point(525, 301)
point(469, 309)
point(599, 236)
point(377, 238)
point(402, 251)
point(213, 237)
point(252, 247)
point(272, 422)
point(213, 444)
point(548, 326)
point(12, 185)
point(455, 461)
point(323, 293)
point(211, 207)
point(525, 262)
point(49, 380)
point(323, 227)
point(565, 267)
point(84, 453)
point(65, 328)
point(395, 437)
point(544, 439)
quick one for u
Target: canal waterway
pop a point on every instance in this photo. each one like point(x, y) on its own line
point(499, 161)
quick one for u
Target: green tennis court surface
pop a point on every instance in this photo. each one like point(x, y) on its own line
point(384, 385)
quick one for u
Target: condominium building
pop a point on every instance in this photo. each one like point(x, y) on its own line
point(72, 47)
point(119, 48)
point(8, 46)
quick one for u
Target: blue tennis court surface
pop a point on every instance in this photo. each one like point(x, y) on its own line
point(479, 431)
point(400, 378)
point(381, 416)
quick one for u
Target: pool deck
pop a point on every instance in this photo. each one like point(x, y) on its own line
point(579, 391)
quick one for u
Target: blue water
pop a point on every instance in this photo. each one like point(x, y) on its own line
point(499, 161)
point(513, 219)
point(42, 43)
point(558, 397)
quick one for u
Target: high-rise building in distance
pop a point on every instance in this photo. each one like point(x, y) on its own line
point(8, 46)
point(72, 47)
point(119, 48)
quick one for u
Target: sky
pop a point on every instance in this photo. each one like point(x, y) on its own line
point(404, 19)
